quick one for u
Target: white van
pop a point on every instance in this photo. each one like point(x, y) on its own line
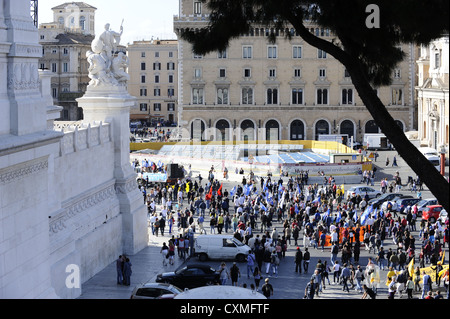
point(220, 247)
point(432, 155)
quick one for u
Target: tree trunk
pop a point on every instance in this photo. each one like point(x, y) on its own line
point(427, 173)
point(412, 156)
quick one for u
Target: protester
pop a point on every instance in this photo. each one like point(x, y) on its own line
point(320, 217)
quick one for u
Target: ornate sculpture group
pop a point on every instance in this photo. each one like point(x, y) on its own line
point(106, 65)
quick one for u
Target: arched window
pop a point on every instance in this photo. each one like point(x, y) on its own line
point(247, 130)
point(272, 130)
point(322, 127)
point(400, 124)
point(371, 127)
point(348, 128)
point(297, 131)
point(61, 20)
point(222, 127)
point(198, 130)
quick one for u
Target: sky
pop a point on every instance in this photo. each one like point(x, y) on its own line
point(142, 19)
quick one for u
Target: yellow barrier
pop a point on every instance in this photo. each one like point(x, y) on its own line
point(307, 144)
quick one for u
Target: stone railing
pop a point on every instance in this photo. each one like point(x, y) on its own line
point(80, 135)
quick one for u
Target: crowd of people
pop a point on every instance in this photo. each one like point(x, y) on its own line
point(311, 216)
point(159, 134)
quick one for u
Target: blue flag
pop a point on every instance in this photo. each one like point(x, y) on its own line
point(317, 200)
point(247, 190)
point(265, 188)
point(339, 217)
point(233, 191)
point(366, 214)
point(263, 207)
point(355, 216)
point(269, 199)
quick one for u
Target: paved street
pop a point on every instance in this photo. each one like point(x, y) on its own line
point(289, 285)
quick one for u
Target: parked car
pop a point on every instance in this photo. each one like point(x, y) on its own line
point(402, 203)
point(422, 204)
point(393, 202)
point(432, 212)
point(191, 276)
point(378, 201)
point(443, 216)
point(362, 190)
point(153, 290)
point(220, 247)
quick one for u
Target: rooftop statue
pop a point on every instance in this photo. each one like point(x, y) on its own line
point(106, 65)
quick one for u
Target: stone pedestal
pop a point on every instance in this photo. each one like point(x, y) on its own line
point(112, 104)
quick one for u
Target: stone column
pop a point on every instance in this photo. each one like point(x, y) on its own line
point(112, 104)
point(26, 116)
point(26, 160)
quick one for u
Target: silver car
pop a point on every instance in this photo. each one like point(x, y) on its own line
point(154, 290)
point(362, 191)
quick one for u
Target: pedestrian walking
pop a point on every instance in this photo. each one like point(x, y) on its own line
point(306, 260)
point(310, 289)
point(257, 277)
point(171, 252)
point(392, 287)
point(345, 275)
point(267, 289)
point(359, 274)
point(267, 257)
point(410, 287)
point(336, 271)
point(298, 260)
point(164, 253)
point(250, 263)
point(334, 253)
point(426, 284)
point(394, 162)
point(224, 274)
point(235, 274)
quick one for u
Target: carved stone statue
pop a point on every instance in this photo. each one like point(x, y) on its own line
point(106, 67)
point(99, 72)
point(119, 66)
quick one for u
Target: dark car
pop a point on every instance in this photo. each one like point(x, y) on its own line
point(404, 202)
point(153, 290)
point(190, 276)
point(376, 202)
